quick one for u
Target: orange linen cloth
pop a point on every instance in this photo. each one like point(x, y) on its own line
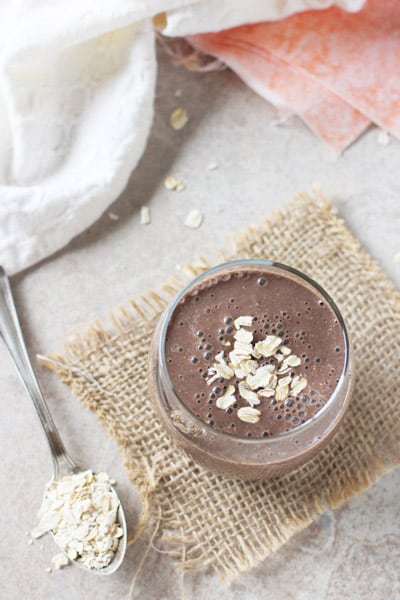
point(336, 70)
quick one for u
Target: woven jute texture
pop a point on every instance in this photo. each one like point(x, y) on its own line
point(230, 525)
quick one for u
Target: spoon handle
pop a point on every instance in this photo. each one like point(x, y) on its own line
point(10, 331)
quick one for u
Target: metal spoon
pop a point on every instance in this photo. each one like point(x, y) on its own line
point(10, 331)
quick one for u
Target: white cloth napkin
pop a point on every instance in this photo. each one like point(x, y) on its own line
point(76, 101)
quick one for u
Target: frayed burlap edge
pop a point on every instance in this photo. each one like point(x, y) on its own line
point(189, 553)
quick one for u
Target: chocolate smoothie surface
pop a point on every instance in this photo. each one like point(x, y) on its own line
point(300, 324)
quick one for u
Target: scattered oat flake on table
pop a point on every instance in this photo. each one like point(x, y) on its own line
point(383, 138)
point(112, 216)
point(194, 219)
point(60, 560)
point(178, 118)
point(212, 166)
point(36, 533)
point(178, 93)
point(145, 215)
point(175, 185)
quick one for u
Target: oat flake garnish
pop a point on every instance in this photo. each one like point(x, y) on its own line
point(243, 322)
point(227, 399)
point(299, 387)
point(220, 357)
point(247, 367)
point(285, 380)
point(248, 414)
point(256, 381)
point(292, 361)
point(243, 336)
point(285, 350)
point(269, 346)
point(260, 379)
point(281, 392)
point(267, 393)
point(248, 394)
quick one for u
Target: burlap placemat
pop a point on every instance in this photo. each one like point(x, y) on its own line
point(231, 525)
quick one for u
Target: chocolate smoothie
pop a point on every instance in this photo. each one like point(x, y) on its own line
point(288, 352)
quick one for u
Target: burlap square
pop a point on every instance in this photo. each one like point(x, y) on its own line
point(213, 520)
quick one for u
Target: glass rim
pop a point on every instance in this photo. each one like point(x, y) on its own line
point(276, 438)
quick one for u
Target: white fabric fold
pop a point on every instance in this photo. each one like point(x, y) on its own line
point(77, 86)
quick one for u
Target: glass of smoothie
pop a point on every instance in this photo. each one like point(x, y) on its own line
point(250, 369)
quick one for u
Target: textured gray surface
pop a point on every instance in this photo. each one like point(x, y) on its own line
point(352, 553)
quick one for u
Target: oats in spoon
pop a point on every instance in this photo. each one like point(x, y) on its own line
point(81, 511)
